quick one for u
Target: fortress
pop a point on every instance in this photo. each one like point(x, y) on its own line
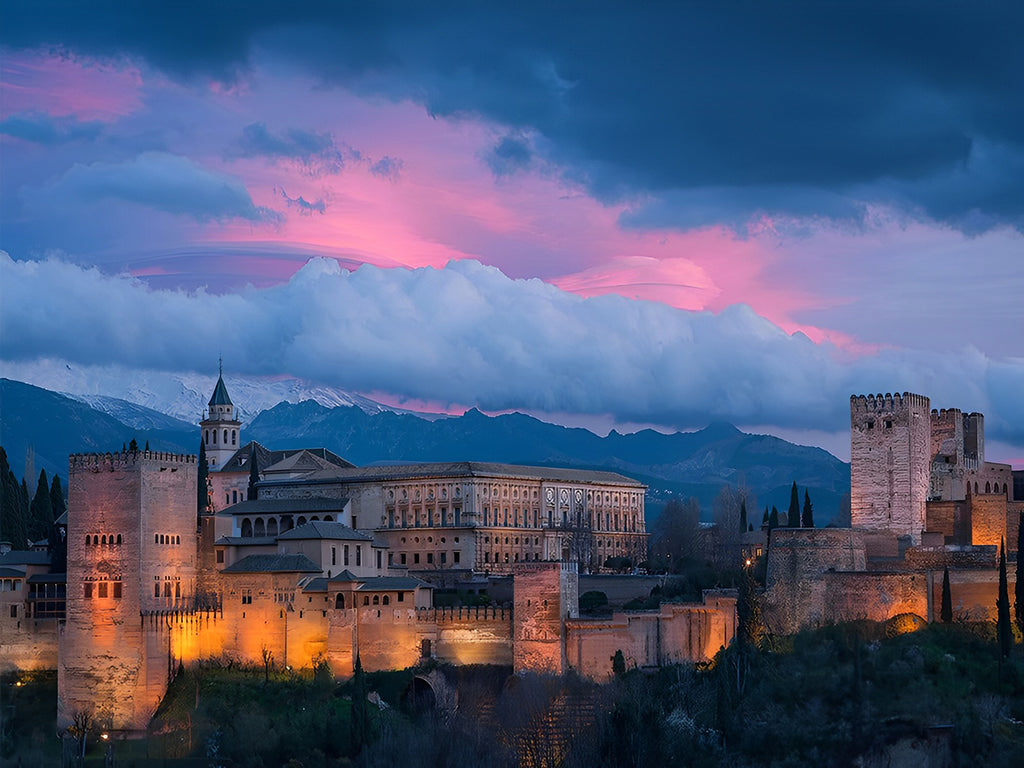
point(922, 499)
point(330, 561)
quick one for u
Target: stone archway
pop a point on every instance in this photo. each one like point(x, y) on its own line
point(431, 691)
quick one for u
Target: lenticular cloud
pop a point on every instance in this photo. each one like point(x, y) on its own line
point(468, 334)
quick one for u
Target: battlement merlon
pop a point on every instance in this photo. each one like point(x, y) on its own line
point(888, 403)
point(125, 460)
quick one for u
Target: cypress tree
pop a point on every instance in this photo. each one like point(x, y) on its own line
point(1018, 588)
point(203, 481)
point(793, 517)
point(743, 516)
point(1003, 630)
point(808, 516)
point(13, 521)
point(254, 474)
point(947, 598)
point(133, 446)
point(360, 711)
point(57, 503)
point(147, 446)
point(773, 519)
point(764, 520)
point(41, 512)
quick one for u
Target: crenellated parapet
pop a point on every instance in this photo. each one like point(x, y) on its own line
point(888, 403)
point(110, 462)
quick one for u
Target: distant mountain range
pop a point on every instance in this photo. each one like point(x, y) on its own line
point(687, 463)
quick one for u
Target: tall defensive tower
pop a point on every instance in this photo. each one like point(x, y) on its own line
point(221, 430)
point(890, 461)
point(131, 551)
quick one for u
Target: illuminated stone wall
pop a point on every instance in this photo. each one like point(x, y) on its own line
point(890, 462)
point(988, 518)
point(973, 593)
point(544, 595)
point(678, 633)
point(131, 548)
point(873, 595)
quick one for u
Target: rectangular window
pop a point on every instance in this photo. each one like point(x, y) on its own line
point(430, 557)
point(403, 558)
point(246, 597)
point(88, 590)
point(359, 554)
point(220, 555)
point(455, 556)
point(416, 558)
point(355, 523)
point(14, 611)
point(391, 559)
point(334, 555)
point(345, 554)
point(103, 589)
point(444, 558)
point(378, 559)
point(401, 597)
point(117, 590)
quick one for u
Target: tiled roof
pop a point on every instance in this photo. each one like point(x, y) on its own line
point(319, 584)
point(319, 529)
point(464, 469)
point(11, 573)
point(273, 564)
point(383, 583)
point(247, 541)
point(220, 394)
point(24, 557)
point(239, 462)
point(287, 506)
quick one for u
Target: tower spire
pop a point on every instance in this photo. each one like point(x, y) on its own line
point(220, 364)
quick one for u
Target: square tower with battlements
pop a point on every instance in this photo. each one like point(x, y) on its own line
point(131, 553)
point(890, 462)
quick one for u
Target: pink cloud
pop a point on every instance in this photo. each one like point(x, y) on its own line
point(34, 81)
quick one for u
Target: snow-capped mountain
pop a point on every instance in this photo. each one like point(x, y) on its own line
point(182, 396)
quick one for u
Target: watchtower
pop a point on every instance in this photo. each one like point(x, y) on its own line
point(890, 462)
point(131, 550)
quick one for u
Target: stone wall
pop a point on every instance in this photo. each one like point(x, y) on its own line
point(131, 533)
point(678, 633)
point(890, 462)
point(540, 608)
point(988, 518)
point(972, 592)
point(28, 644)
point(873, 595)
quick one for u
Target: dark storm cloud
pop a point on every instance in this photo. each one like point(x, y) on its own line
point(40, 128)
point(508, 155)
point(316, 151)
point(861, 102)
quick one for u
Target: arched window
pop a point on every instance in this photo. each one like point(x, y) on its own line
point(328, 519)
point(177, 540)
point(215, 437)
point(246, 528)
point(161, 538)
point(88, 541)
point(1004, 487)
point(156, 538)
point(234, 436)
point(386, 600)
point(103, 540)
point(225, 437)
point(975, 487)
point(177, 589)
point(119, 539)
point(302, 521)
point(167, 589)
point(259, 529)
point(988, 487)
point(314, 517)
point(272, 527)
point(376, 599)
point(206, 436)
point(156, 589)
point(339, 601)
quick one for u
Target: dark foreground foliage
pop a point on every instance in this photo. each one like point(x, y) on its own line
point(855, 694)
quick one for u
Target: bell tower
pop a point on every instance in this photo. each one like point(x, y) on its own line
point(221, 430)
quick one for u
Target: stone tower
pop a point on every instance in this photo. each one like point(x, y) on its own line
point(221, 430)
point(544, 596)
point(131, 553)
point(890, 462)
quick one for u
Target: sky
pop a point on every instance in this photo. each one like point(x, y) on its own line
point(609, 214)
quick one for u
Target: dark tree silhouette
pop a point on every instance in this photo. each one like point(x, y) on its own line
point(13, 514)
point(57, 503)
point(808, 515)
point(254, 474)
point(773, 519)
point(947, 598)
point(1003, 629)
point(793, 517)
point(743, 516)
point(203, 481)
point(41, 511)
point(1018, 588)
